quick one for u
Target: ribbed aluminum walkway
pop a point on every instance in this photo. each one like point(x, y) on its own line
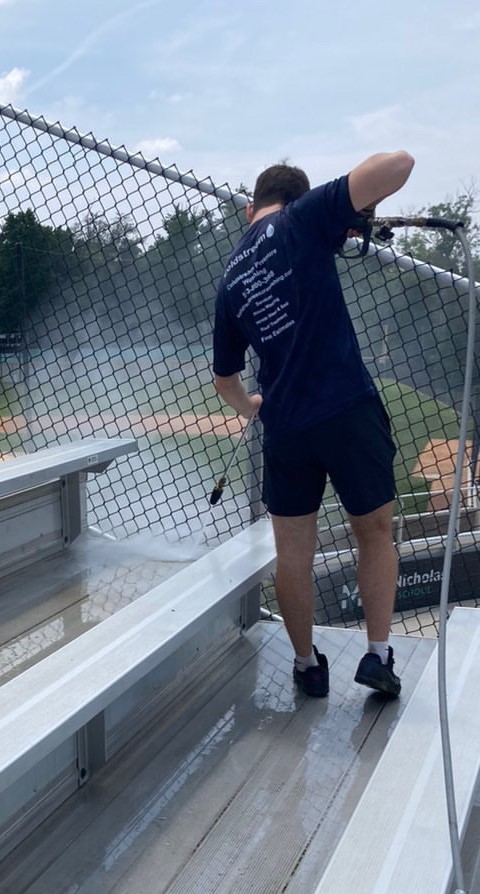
point(238, 784)
point(243, 786)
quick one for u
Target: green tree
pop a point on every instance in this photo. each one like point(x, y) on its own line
point(100, 242)
point(441, 247)
point(178, 266)
point(445, 318)
point(32, 257)
point(180, 240)
point(411, 324)
point(187, 259)
point(231, 225)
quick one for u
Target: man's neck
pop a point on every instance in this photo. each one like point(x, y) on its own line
point(263, 212)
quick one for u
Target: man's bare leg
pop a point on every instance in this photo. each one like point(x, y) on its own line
point(295, 540)
point(377, 569)
point(377, 580)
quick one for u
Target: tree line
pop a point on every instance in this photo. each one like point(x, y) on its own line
point(183, 262)
point(103, 270)
point(412, 324)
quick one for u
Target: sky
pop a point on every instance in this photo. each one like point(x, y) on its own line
point(225, 88)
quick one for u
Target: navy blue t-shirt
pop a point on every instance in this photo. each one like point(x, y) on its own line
point(280, 293)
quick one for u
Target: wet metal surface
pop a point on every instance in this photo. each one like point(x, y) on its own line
point(241, 786)
point(57, 599)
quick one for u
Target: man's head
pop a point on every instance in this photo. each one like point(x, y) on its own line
point(279, 185)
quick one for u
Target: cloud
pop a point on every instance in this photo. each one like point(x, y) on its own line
point(420, 126)
point(12, 84)
point(157, 147)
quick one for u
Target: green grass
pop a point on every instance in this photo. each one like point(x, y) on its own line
point(416, 419)
point(200, 399)
point(10, 404)
point(204, 457)
point(9, 401)
point(189, 396)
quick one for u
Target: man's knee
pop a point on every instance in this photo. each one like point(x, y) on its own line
point(295, 539)
point(374, 526)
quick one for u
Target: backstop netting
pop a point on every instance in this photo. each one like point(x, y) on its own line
point(109, 265)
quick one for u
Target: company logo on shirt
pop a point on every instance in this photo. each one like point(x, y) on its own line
point(270, 231)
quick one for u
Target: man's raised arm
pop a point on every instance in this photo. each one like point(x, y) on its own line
point(378, 177)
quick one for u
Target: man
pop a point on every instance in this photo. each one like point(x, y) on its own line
point(321, 412)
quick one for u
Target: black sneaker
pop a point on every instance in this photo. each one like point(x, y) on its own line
point(314, 680)
point(371, 672)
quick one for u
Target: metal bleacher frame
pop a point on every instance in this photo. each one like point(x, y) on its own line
point(43, 497)
point(56, 718)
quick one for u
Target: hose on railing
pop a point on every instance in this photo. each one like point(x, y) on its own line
point(384, 233)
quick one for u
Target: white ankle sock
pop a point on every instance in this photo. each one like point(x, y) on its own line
point(380, 649)
point(302, 664)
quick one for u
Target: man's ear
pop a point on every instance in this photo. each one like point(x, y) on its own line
point(250, 212)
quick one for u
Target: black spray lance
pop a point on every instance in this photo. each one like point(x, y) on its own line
point(218, 489)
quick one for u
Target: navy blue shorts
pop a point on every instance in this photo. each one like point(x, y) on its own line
point(353, 448)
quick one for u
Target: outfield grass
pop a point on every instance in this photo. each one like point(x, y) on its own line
point(163, 396)
point(9, 401)
point(9, 405)
point(200, 399)
point(416, 420)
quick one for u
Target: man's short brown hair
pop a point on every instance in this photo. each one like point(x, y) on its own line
point(279, 183)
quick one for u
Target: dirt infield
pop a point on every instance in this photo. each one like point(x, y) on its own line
point(437, 464)
point(134, 424)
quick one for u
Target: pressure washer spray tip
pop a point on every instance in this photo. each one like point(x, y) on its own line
point(217, 491)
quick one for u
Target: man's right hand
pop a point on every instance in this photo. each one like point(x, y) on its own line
point(231, 389)
point(254, 402)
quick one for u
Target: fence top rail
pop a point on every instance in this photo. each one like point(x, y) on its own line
point(120, 153)
point(444, 278)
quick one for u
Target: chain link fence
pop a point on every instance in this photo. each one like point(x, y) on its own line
point(109, 265)
point(108, 279)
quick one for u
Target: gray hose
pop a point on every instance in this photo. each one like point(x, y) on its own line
point(449, 547)
point(457, 228)
point(384, 233)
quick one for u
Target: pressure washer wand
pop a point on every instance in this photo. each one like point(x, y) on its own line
point(384, 226)
point(218, 489)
